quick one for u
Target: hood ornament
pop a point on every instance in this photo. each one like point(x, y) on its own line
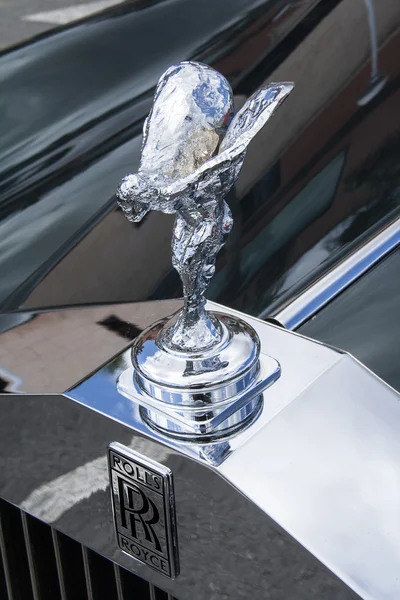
point(197, 374)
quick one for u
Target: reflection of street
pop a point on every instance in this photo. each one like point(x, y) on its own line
point(54, 350)
point(22, 19)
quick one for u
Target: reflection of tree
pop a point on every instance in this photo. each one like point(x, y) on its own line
point(243, 210)
point(3, 385)
point(118, 364)
point(122, 328)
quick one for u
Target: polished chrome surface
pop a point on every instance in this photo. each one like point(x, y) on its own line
point(330, 470)
point(192, 153)
point(228, 547)
point(165, 367)
point(208, 415)
point(331, 473)
point(208, 393)
point(231, 547)
point(301, 362)
point(143, 501)
point(319, 469)
point(339, 278)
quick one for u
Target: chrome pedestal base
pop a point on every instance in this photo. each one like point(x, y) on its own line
point(199, 395)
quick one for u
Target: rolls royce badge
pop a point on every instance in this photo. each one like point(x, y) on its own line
point(144, 511)
point(199, 374)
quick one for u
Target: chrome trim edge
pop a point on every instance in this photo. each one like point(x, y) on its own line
point(338, 279)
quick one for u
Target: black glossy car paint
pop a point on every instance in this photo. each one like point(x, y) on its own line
point(364, 320)
point(72, 107)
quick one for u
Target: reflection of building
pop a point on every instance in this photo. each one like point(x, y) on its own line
point(304, 207)
point(240, 54)
point(335, 54)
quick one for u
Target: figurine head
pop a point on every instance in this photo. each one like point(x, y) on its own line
point(130, 196)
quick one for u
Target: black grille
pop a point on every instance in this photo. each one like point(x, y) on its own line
point(40, 563)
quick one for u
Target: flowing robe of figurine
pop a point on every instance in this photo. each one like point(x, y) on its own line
point(192, 154)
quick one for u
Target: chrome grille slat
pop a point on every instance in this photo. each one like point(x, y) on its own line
point(102, 577)
point(41, 559)
point(72, 567)
point(157, 594)
point(134, 587)
point(40, 563)
point(88, 579)
point(4, 564)
point(3, 583)
point(14, 553)
point(60, 572)
point(152, 592)
point(31, 563)
point(118, 582)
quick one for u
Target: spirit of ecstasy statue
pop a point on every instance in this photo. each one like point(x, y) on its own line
point(193, 150)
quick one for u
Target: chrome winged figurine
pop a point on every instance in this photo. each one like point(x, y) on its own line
point(193, 150)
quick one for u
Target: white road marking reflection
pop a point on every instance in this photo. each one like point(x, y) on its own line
point(51, 500)
point(62, 16)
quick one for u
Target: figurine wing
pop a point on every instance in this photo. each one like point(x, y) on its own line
point(252, 117)
point(245, 125)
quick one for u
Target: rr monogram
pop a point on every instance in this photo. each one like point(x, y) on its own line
point(144, 509)
point(137, 508)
